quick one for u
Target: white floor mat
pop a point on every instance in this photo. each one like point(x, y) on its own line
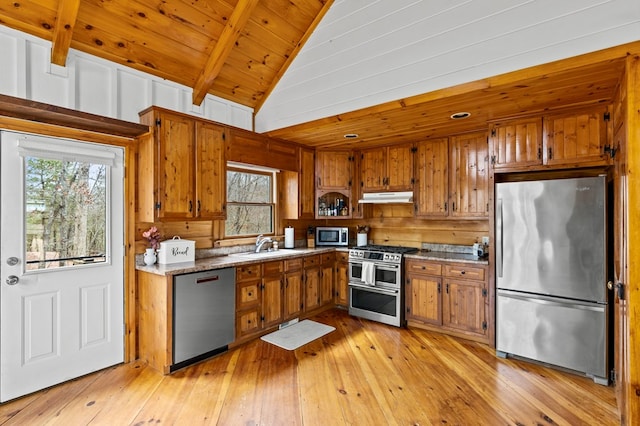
point(296, 335)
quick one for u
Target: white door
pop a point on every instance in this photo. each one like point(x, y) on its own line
point(61, 257)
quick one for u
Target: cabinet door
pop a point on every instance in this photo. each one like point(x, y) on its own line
point(292, 295)
point(342, 280)
point(333, 170)
point(400, 168)
point(423, 298)
point(307, 184)
point(432, 185)
point(326, 283)
point(469, 175)
point(271, 300)
point(248, 322)
point(464, 307)
point(311, 288)
point(175, 171)
point(373, 169)
point(516, 144)
point(211, 179)
point(576, 138)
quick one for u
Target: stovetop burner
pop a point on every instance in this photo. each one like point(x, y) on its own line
point(389, 254)
point(387, 249)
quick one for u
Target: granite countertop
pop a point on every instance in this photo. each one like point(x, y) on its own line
point(229, 261)
point(450, 256)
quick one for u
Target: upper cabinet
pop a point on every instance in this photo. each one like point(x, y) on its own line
point(181, 169)
point(334, 177)
point(387, 168)
point(334, 170)
point(432, 189)
point(298, 188)
point(575, 138)
point(469, 175)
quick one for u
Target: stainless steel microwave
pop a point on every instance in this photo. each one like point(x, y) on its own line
point(332, 236)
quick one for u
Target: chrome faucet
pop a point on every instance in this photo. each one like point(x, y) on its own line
point(260, 241)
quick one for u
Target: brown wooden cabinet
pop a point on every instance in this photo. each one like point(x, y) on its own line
point(342, 279)
point(334, 170)
point(388, 168)
point(516, 144)
point(432, 189)
point(575, 138)
point(293, 289)
point(327, 261)
point(311, 283)
point(469, 175)
point(182, 169)
point(272, 293)
point(248, 300)
point(448, 297)
point(298, 190)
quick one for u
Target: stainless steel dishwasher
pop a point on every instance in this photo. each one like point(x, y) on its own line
point(203, 315)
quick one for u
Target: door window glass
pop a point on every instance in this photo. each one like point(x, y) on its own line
point(65, 213)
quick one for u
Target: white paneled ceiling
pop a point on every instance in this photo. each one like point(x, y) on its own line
point(365, 52)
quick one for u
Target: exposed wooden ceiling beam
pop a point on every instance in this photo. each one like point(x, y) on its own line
point(294, 53)
point(223, 47)
point(63, 30)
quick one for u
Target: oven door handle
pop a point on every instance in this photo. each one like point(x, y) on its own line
point(374, 289)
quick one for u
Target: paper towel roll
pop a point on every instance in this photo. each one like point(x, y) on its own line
point(288, 237)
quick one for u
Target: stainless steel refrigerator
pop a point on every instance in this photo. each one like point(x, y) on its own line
point(551, 268)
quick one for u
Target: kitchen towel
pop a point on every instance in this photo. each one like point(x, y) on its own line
point(369, 273)
point(298, 334)
point(288, 237)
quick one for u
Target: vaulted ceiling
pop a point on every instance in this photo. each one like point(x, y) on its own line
point(240, 49)
point(234, 49)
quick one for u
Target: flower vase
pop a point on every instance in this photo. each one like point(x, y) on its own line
point(150, 257)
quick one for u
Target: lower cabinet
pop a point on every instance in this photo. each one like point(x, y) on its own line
point(327, 260)
point(293, 290)
point(342, 279)
point(311, 283)
point(448, 297)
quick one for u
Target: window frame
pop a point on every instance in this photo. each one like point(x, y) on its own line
point(256, 170)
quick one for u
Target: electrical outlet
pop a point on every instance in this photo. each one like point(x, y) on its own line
point(485, 241)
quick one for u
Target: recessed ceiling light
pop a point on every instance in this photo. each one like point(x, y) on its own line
point(460, 115)
point(351, 136)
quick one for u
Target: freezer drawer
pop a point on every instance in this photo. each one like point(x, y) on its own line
point(555, 331)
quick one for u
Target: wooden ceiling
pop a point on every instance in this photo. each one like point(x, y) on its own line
point(234, 49)
point(581, 81)
point(239, 49)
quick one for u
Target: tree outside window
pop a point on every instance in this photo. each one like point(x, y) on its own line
point(250, 206)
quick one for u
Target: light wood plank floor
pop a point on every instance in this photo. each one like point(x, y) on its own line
point(364, 373)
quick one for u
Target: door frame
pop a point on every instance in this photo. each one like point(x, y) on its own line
point(130, 148)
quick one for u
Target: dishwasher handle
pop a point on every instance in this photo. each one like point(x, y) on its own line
point(205, 280)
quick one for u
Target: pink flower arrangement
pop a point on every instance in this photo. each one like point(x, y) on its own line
point(153, 236)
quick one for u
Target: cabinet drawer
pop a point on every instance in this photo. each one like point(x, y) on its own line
point(293, 264)
point(465, 271)
point(311, 261)
point(247, 272)
point(273, 268)
point(420, 267)
point(327, 258)
point(342, 256)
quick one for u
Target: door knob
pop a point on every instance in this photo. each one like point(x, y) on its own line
point(12, 280)
point(610, 285)
point(12, 261)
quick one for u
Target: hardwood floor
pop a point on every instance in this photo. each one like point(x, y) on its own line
point(364, 373)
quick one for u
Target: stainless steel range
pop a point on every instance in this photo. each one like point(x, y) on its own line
point(375, 283)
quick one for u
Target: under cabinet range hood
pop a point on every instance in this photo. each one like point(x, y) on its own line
point(387, 198)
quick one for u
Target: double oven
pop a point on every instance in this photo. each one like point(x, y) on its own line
point(375, 283)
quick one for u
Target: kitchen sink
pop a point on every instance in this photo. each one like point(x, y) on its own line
point(267, 254)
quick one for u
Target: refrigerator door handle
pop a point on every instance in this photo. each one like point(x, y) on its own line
point(544, 300)
point(499, 237)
